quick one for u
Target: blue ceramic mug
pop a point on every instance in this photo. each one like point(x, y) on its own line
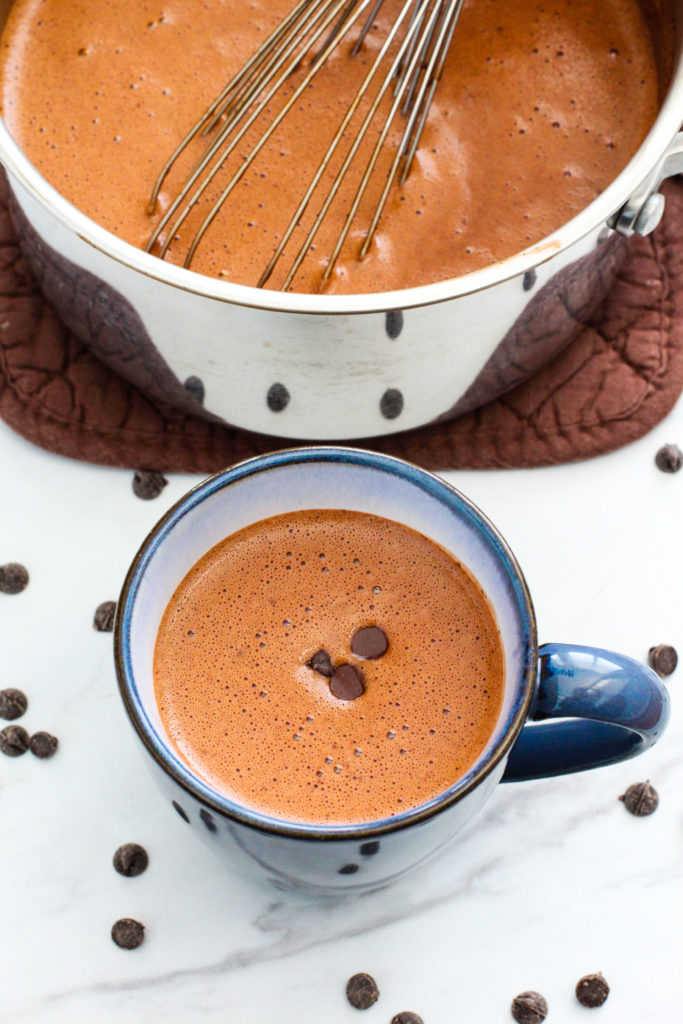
point(610, 707)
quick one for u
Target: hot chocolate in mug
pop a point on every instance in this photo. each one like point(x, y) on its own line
point(609, 707)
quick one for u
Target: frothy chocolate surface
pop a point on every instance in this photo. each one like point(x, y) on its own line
point(246, 711)
point(540, 106)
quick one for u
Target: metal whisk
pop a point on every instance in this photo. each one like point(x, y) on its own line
point(409, 62)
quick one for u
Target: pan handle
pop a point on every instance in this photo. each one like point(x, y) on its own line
point(641, 214)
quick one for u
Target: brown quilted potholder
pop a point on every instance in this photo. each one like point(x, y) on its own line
point(620, 377)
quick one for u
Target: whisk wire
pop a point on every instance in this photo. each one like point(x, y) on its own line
point(416, 58)
point(330, 152)
point(216, 103)
point(266, 55)
point(237, 177)
point(319, 8)
point(414, 71)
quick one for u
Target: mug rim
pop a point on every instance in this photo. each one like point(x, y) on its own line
point(159, 747)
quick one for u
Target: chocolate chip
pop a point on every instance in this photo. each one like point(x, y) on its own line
point(407, 1017)
point(592, 990)
point(348, 869)
point(663, 659)
point(43, 745)
point(130, 860)
point(529, 1008)
point(14, 740)
point(347, 683)
point(362, 991)
point(529, 280)
point(13, 704)
point(13, 578)
point(322, 663)
point(103, 620)
point(148, 484)
point(640, 799)
point(127, 933)
point(669, 458)
point(369, 642)
point(196, 388)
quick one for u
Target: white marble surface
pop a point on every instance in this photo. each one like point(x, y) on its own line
point(553, 880)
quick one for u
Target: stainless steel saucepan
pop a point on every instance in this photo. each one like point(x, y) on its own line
point(343, 366)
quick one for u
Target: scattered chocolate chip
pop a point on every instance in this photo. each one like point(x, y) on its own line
point(669, 458)
point(663, 659)
point(346, 683)
point(103, 620)
point(43, 745)
point(14, 740)
point(407, 1017)
point(13, 704)
point(362, 991)
point(148, 484)
point(322, 663)
point(592, 990)
point(196, 388)
point(130, 860)
point(529, 280)
point(529, 1008)
point(369, 642)
point(348, 869)
point(370, 848)
point(13, 578)
point(127, 933)
point(640, 799)
point(277, 398)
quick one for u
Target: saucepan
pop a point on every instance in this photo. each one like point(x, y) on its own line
point(344, 366)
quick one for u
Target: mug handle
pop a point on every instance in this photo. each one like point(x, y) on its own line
point(612, 707)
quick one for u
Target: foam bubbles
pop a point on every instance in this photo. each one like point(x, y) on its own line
point(239, 694)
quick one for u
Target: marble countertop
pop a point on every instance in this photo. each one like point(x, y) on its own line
point(552, 881)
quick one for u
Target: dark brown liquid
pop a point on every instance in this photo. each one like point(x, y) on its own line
point(540, 106)
point(245, 711)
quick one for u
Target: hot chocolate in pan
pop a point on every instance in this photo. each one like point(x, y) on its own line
point(539, 108)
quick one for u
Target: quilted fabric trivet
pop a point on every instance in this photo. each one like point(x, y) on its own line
point(616, 381)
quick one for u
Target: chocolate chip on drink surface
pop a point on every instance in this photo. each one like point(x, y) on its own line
point(369, 642)
point(321, 663)
point(347, 683)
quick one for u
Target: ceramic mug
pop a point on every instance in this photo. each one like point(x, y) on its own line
point(610, 707)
